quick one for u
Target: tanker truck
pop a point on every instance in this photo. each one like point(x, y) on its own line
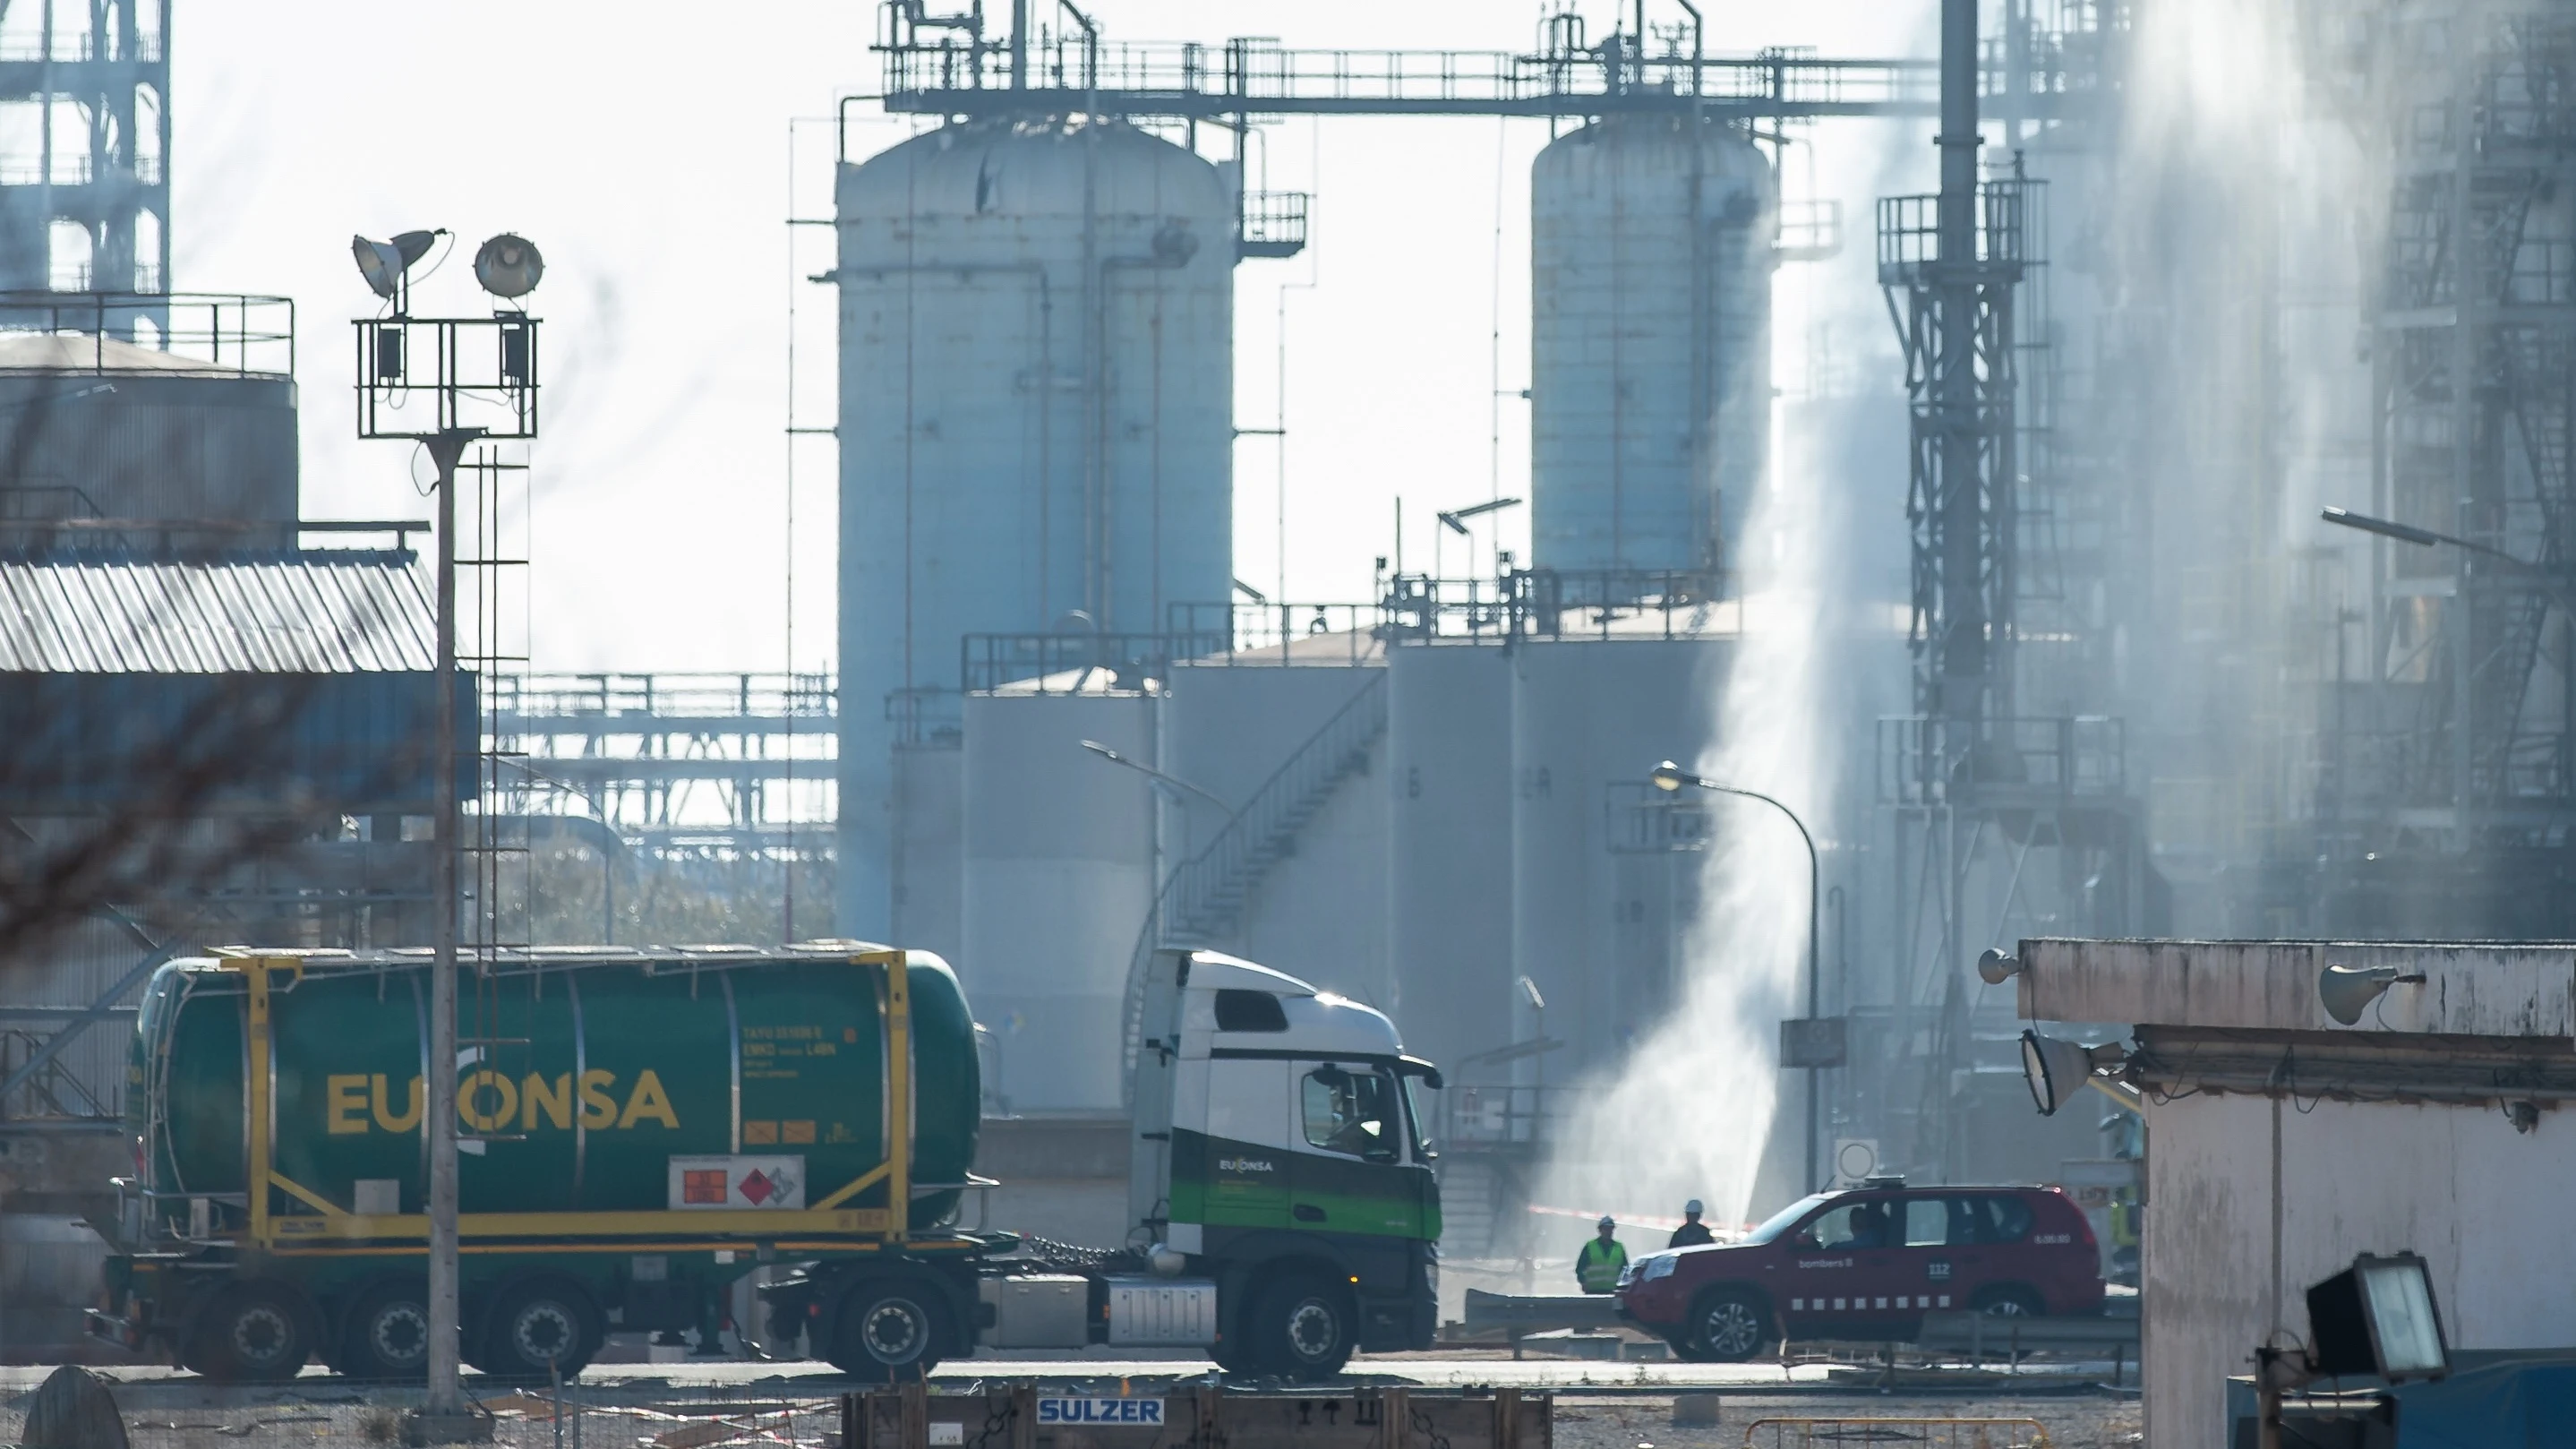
point(640, 1129)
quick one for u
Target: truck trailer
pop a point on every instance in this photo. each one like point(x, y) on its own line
point(640, 1129)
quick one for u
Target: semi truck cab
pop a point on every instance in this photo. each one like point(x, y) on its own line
point(1280, 1156)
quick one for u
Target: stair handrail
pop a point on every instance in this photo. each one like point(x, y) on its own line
point(1305, 770)
point(1264, 802)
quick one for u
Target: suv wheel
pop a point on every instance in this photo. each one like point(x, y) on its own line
point(2008, 1300)
point(1302, 1328)
point(1728, 1325)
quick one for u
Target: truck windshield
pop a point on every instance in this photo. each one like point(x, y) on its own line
point(1351, 1112)
point(1413, 1119)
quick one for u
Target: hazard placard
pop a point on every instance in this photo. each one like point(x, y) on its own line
point(708, 1182)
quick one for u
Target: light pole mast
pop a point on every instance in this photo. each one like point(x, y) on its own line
point(454, 396)
point(446, 1397)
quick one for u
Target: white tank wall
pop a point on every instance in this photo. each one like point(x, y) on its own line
point(1650, 342)
point(929, 861)
point(1585, 714)
point(1449, 848)
point(1035, 417)
point(1058, 858)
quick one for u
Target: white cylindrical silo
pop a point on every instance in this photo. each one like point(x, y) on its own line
point(1058, 871)
point(1650, 381)
point(1035, 414)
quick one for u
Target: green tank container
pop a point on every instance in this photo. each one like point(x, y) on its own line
point(589, 1082)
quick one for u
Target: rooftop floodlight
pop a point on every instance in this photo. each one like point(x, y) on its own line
point(2347, 991)
point(2378, 1317)
point(2056, 1070)
point(1995, 967)
point(383, 263)
point(509, 267)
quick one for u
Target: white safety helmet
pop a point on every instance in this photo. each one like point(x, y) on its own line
point(1691, 1208)
point(1605, 1222)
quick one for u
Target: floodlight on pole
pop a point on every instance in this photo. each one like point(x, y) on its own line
point(1996, 967)
point(509, 266)
point(385, 263)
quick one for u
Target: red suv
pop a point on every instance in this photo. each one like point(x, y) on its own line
point(1869, 1263)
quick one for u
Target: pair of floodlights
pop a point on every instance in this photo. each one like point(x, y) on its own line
point(507, 266)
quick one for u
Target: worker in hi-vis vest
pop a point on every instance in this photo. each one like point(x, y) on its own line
point(1602, 1260)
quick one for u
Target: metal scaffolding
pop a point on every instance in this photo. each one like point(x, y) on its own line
point(2460, 742)
point(97, 73)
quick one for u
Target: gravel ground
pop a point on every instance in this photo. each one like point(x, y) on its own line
point(172, 1418)
point(2070, 1421)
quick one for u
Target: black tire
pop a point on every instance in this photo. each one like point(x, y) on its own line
point(889, 1330)
point(2008, 1300)
point(537, 1330)
point(386, 1337)
point(253, 1333)
point(1302, 1327)
point(1230, 1357)
point(1728, 1325)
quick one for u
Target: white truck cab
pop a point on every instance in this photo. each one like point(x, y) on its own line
point(1280, 1155)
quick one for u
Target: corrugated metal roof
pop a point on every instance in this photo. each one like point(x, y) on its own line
point(337, 612)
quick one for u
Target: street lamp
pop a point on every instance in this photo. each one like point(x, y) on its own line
point(469, 396)
point(1172, 782)
point(2426, 538)
point(1670, 778)
point(1455, 520)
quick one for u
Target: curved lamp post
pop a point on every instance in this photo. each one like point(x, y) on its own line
point(1670, 778)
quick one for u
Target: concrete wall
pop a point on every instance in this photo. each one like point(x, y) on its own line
point(2251, 1199)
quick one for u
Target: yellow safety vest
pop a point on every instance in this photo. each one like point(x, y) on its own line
point(1597, 1267)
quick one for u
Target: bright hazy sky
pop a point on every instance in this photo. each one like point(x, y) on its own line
point(646, 148)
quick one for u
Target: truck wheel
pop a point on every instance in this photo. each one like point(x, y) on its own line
point(1301, 1329)
point(253, 1333)
point(888, 1330)
point(387, 1336)
point(546, 1327)
point(1728, 1326)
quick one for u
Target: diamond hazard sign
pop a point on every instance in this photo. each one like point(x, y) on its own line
point(704, 1182)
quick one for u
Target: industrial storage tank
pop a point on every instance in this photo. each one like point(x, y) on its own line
point(1036, 414)
point(1449, 849)
point(1589, 720)
point(1058, 874)
point(1650, 381)
point(96, 428)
